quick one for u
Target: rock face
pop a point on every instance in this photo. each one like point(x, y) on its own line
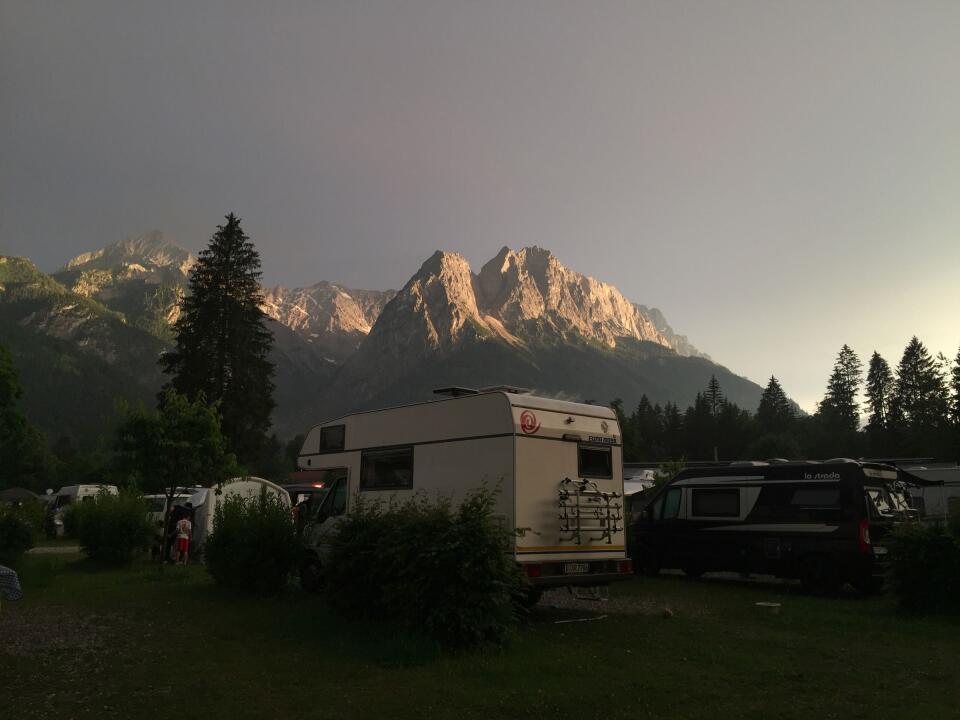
point(331, 317)
point(518, 297)
point(525, 319)
point(147, 254)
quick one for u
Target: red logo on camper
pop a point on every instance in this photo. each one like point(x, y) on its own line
point(528, 422)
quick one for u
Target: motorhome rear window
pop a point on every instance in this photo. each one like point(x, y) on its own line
point(720, 502)
point(387, 469)
point(332, 438)
point(596, 462)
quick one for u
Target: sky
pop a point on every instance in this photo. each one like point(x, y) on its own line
point(779, 178)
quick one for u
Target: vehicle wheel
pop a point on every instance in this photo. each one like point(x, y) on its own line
point(818, 576)
point(646, 562)
point(311, 577)
point(531, 597)
point(869, 585)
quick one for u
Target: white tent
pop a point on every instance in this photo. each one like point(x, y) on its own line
point(205, 501)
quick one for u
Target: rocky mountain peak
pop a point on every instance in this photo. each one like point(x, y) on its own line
point(140, 255)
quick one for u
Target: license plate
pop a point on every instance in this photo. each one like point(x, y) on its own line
point(576, 568)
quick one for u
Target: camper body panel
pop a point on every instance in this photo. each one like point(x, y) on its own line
point(448, 448)
point(206, 500)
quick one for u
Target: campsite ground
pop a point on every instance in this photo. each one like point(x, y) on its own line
point(143, 643)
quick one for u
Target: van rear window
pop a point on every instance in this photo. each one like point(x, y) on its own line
point(595, 462)
point(720, 502)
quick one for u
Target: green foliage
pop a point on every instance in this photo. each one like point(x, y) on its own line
point(430, 567)
point(926, 568)
point(840, 409)
point(112, 528)
point(222, 340)
point(253, 547)
point(180, 445)
point(668, 471)
point(18, 532)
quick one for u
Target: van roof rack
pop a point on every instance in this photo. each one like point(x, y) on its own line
point(456, 391)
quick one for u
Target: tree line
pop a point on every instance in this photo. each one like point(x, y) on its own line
point(912, 410)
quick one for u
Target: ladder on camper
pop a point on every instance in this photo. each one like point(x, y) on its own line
point(588, 513)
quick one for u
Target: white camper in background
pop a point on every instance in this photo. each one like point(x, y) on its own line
point(938, 499)
point(205, 501)
point(558, 464)
point(71, 494)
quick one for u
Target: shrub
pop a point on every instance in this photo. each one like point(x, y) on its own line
point(438, 570)
point(253, 546)
point(112, 528)
point(926, 568)
point(17, 532)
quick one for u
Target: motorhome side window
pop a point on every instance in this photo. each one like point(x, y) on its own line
point(332, 438)
point(719, 502)
point(387, 469)
point(595, 461)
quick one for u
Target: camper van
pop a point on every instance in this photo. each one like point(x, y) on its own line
point(823, 523)
point(558, 466)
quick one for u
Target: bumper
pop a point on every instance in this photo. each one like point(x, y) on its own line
point(596, 572)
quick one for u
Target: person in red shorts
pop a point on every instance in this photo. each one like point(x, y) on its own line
point(184, 530)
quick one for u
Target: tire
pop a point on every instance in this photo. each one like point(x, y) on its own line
point(869, 585)
point(646, 562)
point(693, 569)
point(530, 598)
point(818, 576)
point(311, 576)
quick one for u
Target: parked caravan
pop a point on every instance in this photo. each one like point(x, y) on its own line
point(934, 491)
point(558, 466)
point(823, 523)
point(205, 501)
point(71, 494)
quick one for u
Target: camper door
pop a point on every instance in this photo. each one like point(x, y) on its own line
point(328, 512)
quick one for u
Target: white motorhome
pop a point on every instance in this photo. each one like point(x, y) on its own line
point(938, 498)
point(558, 465)
point(205, 501)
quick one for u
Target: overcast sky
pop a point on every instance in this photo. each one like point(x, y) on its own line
point(779, 178)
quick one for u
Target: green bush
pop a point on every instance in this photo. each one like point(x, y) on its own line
point(112, 528)
point(926, 568)
point(253, 546)
point(434, 569)
point(18, 532)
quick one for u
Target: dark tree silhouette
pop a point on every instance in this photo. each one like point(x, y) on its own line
point(222, 341)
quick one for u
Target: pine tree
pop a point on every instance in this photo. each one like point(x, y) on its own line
point(879, 392)
point(774, 414)
point(222, 341)
point(921, 389)
point(714, 396)
point(840, 408)
point(955, 391)
point(921, 400)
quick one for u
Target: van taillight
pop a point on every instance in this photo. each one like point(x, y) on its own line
point(864, 536)
point(625, 567)
point(533, 570)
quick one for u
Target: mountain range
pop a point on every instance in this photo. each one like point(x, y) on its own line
point(91, 332)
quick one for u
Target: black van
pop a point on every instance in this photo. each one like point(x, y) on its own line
point(823, 523)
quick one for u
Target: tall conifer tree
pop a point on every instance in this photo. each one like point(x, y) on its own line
point(222, 340)
point(840, 407)
point(774, 414)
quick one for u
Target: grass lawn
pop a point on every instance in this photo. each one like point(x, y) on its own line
point(141, 643)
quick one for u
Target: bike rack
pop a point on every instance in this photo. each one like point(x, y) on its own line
point(585, 508)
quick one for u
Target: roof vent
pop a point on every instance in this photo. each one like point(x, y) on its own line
point(455, 391)
point(507, 389)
